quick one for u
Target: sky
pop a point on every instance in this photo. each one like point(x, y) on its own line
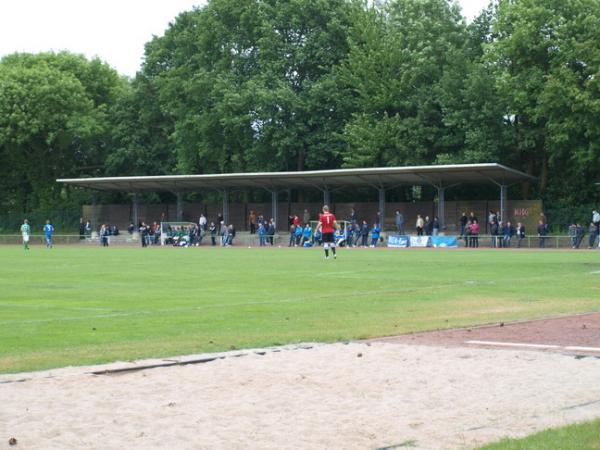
point(113, 30)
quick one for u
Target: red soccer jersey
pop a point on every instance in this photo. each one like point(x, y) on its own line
point(327, 220)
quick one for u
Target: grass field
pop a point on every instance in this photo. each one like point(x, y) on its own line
point(78, 305)
point(574, 437)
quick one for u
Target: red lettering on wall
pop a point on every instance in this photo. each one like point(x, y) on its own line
point(524, 212)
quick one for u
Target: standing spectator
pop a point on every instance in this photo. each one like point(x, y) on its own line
point(81, 229)
point(435, 226)
point(520, 234)
point(508, 231)
point(143, 230)
point(296, 221)
point(579, 233)
point(252, 221)
point(573, 234)
point(271, 232)
point(48, 231)
point(353, 217)
point(364, 233)
point(475, 234)
point(292, 236)
point(593, 229)
point(399, 222)
point(420, 225)
point(262, 233)
point(375, 233)
point(202, 222)
point(495, 229)
point(212, 228)
point(428, 226)
point(131, 228)
point(104, 232)
point(297, 235)
point(467, 235)
point(306, 217)
point(224, 234)
point(463, 223)
point(596, 221)
point(542, 231)
point(473, 217)
point(88, 230)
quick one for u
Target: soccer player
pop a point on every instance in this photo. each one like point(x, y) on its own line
point(48, 230)
point(327, 225)
point(25, 230)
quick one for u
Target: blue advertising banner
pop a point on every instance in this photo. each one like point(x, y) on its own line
point(398, 241)
point(444, 241)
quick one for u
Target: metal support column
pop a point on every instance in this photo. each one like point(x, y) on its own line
point(382, 208)
point(226, 206)
point(179, 207)
point(135, 217)
point(274, 205)
point(441, 206)
point(503, 200)
point(327, 197)
point(94, 215)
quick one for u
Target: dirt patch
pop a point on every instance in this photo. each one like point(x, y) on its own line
point(578, 334)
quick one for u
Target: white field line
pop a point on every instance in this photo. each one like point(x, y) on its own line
point(511, 344)
point(583, 349)
point(572, 348)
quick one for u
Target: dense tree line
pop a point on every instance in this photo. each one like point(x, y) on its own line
point(245, 85)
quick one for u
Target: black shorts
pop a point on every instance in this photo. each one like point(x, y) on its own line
point(328, 238)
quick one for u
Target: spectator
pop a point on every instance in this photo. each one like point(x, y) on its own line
point(580, 233)
point(495, 229)
point(573, 234)
point(131, 228)
point(435, 226)
point(143, 230)
point(271, 232)
point(420, 225)
point(364, 233)
point(297, 235)
point(542, 230)
point(593, 229)
point(356, 238)
point(463, 223)
point(468, 240)
point(318, 237)
point(399, 222)
point(508, 231)
point(428, 226)
point(375, 232)
point(81, 229)
point(596, 221)
point(520, 234)
point(475, 234)
point(292, 236)
point(297, 221)
point(252, 220)
point(473, 217)
point(88, 230)
point(202, 222)
point(262, 234)
point(353, 217)
point(104, 232)
point(212, 228)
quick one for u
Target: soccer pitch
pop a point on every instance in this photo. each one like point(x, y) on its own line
point(83, 305)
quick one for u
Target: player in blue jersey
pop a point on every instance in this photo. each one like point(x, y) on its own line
point(48, 230)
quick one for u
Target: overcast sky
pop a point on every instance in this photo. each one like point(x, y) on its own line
point(114, 30)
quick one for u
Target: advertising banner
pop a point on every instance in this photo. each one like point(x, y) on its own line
point(444, 241)
point(398, 241)
point(419, 241)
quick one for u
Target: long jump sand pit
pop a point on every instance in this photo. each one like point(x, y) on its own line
point(351, 396)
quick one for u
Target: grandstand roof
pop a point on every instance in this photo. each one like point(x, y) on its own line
point(379, 177)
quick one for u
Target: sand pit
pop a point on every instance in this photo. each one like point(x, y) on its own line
point(323, 397)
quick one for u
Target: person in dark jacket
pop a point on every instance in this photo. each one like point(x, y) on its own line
point(508, 231)
point(428, 226)
point(593, 229)
point(542, 230)
point(212, 229)
point(520, 234)
point(364, 234)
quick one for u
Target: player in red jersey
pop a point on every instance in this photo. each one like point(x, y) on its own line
point(327, 224)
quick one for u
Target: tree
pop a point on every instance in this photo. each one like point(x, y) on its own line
point(53, 123)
